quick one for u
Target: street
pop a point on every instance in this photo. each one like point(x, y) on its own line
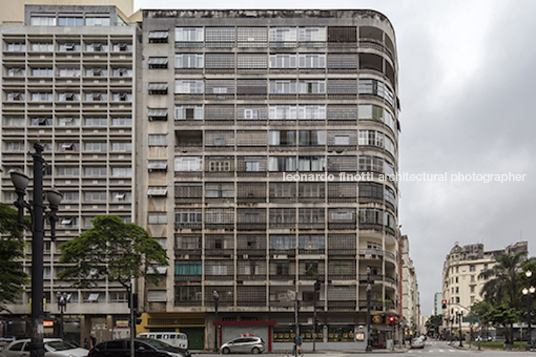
point(431, 348)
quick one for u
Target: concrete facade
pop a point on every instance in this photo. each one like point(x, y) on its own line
point(73, 89)
point(410, 293)
point(232, 102)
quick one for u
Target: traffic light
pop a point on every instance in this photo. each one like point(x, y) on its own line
point(317, 285)
point(137, 315)
point(391, 320)
point(444, 304)
point(317, 320)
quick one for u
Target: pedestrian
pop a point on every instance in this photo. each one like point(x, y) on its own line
point(507, 344)
point(86, 344)
point(93, 341)
point(299, 342)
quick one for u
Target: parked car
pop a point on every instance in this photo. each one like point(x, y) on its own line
point(143, 348)
point(253, 345)
point(54, 347)
point(417, 342)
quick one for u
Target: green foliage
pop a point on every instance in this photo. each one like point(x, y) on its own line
point(433, 323)
point(12, 275)
point(111, 250)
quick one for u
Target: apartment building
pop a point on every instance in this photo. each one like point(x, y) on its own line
point(267, 141)
point(461, 282)
point(68, 82)
point(410, 293)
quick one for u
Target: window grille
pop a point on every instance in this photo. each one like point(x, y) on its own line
point(312, 34)
point(219, 112)
point(251, 295)
point(342, 86)
point(342, 163)
point(252, 36)
point(252, 87)
point(251, 163)
point(342, 61)
point(342, 34)
point(220, 34)
point(220, 87)
point(341, 293)
point(219, 215)
point(219, 190)
point(220, 61)
point(188, 190)
point(251, 138)
point(252, 61)
point(251, 189)
point(219, 138)
point(342, 241)
point(342, 112)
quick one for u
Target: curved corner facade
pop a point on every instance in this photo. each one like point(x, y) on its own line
point(268, 148)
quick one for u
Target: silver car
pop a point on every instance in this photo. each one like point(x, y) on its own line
point(253, 345)
point(54, 347)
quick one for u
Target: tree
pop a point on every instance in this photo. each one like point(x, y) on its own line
point(12, 275)
point(433, 324)
point(502, 290)
point(111, 250)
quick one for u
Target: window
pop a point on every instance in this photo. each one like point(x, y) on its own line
point(122, 172)
point(68, 147)
point(15, 46)
point(312, 60)
point(15, 72)
point(42, 47)
point(122, 47)
point(189, 34)
point(121, 146)
point(95, 196)
point(311, 163)
point(188, 163)
point(280, 86)
point(219, 190)
point(157, 191)
point(68, 121)
point(41, 121)
point(43, 21)
point(41, 96)
point(312, 137)
point(14, 122)
point(118, 297)
point(95, 121)
point(68, 72)
point(122, 72)
point(122, 121)
point(371, 163)
point(122, 97)
point(157, 139)
point(312, 34)
point(188, 268)
point(281, 163)
point(377, 88)
point(188, 60)
point(312, 86)
point(282, 241)
point(68, 97)
point(188, 86)
point(156, 217)
point(189, 112)
point(70, 21)
point(158, 62)
point(283, 112)
point(282, 60)
point(121, 196)
point(471, 268)
point(158, 88)
point(158, 36)
point(156, 296)
point(95, 171)
point(95, 146)
point(220, 165)
point(283, 34)
point(97, 21)
point(96, 47)
point(157, 165)
point(188, 216)
point(15, 96)
point(96, 97)
point(67, 171)
point(282, 137)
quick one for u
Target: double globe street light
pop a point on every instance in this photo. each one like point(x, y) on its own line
point(528, 291)
point(38, 217)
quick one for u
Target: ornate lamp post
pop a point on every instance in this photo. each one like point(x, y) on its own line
point(216, 297)
point(459, 315)
point(528, 291)
point(38, 217)
point(62, 298)
point(369, 288)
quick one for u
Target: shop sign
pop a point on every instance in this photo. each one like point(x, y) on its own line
point(48, 323)
point(99, 325)
point(121, 323)
point(377, 319)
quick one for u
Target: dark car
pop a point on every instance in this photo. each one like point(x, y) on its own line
point(143, 348)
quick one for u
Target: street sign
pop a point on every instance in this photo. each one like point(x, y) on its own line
point(472, 319)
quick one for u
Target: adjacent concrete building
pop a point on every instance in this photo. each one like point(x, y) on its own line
point(68, 81)
point(411, 322)
point(461, 282)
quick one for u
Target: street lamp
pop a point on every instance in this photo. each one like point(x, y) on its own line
point(459, 317)
point(216, 297)
point(528, 291)
point(38, 217)
point(369, 288)
point(62, 298)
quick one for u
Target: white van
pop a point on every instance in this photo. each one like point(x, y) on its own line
point(176, 339)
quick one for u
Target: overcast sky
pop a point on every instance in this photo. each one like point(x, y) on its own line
point(466, 84)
